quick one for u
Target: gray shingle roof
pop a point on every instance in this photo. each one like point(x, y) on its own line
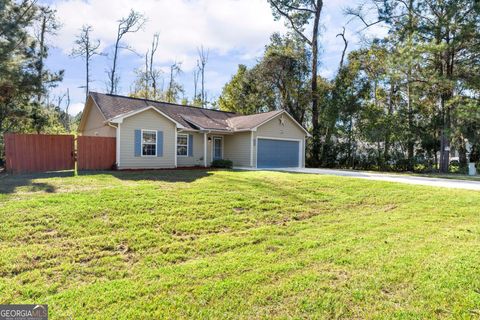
point(113, 105)
point(190, 117)
point(251, 121)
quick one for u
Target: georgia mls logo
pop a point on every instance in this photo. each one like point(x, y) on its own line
point(40, 311)
point(24, 312)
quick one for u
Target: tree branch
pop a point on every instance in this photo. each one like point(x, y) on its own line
point(292, 23)
point(299, 9)
point(358, 14)
point(344, 48)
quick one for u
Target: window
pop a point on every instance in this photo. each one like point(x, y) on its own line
point(182, 145)
point(149, 143)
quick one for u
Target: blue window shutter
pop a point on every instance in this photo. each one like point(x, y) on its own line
point(138, 142)
point(190, 145)
point(159, 143)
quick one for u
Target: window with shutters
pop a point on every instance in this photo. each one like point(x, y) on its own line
point(182, 145)
point(149, 143)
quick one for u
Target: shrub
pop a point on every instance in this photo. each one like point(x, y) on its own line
point(222, 164)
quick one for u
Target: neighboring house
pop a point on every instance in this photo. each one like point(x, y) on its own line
point(152, 134)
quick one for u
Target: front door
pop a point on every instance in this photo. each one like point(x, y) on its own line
point(217, 148)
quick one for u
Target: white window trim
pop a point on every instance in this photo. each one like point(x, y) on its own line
point(213, 146)
point(188, 142)
point(301, 146)
point(141, 143)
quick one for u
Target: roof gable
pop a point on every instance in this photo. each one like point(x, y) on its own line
point(89, 104)
point(119, 118)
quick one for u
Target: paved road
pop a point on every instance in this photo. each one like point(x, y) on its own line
point(425, 181)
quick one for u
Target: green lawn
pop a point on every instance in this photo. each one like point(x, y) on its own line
point(226, 244)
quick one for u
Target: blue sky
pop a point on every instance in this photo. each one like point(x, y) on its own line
point(234, 31)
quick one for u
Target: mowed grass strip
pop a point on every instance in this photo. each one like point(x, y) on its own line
point(227, 244)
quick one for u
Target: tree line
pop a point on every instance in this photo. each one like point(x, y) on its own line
point(403, 102)
point(25, 105)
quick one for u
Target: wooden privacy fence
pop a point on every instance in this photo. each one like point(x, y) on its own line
point(95, 153)
point(28, 153)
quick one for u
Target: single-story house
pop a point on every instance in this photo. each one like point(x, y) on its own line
point(151, 134)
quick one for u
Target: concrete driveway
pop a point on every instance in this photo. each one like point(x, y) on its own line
point(425, 181)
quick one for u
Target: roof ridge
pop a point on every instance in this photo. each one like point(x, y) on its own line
point(260, 113)
point(156, 101)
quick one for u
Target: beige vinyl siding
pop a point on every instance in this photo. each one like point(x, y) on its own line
point(147, 120)
point(197, 158)
point(273, 129)
point(237, 148)
point(95, 123)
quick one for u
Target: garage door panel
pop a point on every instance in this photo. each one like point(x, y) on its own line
point(277, 153)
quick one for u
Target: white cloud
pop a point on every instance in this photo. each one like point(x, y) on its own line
point(235, 31)
point(75, 108)
point(222, 26)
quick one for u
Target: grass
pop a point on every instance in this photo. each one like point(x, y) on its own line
point(227, 244)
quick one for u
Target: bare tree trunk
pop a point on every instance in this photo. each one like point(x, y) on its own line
point(446, 69)
point(130, 24)
point(146, 77)
point(203, 86)
point(203, 59)
point(351, 143)
point(87, 69)
point(170, 83)
point(113, 80)
point(315, 111)
point(462, 154)
point(345, 42)
point(443, 167)
point(195, 84)
point(155, 41)
point(86, 49)
point(67, 116)
point(43, 28)
point(388, 133)
point(445, 137)
point(411, 138)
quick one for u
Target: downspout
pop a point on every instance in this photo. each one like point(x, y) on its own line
point(117, 142)
point(251, 148)
point(175, 150)
point(205, 149)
